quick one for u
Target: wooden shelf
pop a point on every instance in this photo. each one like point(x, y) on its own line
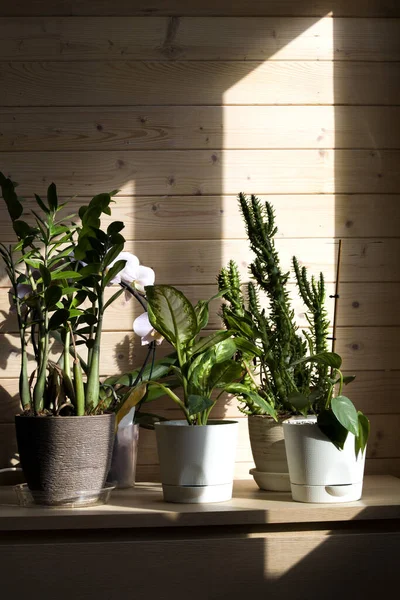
point(142, 507)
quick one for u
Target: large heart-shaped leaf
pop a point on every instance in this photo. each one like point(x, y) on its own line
point(171, 314)
point(345, 412)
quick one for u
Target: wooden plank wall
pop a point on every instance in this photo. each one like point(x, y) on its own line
point(184, 104)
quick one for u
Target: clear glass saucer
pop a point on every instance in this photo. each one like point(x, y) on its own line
point(80, 499)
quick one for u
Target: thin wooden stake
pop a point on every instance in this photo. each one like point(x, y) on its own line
point(339, 259)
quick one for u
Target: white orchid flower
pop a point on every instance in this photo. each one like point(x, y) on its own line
point(129, 272)
point(133, 273)
point(144, 329)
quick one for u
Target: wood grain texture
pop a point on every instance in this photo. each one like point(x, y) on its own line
point(198, 38)
point(218, 217)
point(362, 348)
point(199, 127)
point(201, 172)
point(88, 83)
point(314, 8)
point(178, 263)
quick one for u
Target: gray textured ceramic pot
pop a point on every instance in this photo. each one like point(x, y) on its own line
point(61, 456)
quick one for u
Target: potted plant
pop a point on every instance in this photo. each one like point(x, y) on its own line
point(196, 454)
point(280, 363)
point(59, 271)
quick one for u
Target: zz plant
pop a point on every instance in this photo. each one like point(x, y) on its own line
point(59, 270)
point(292, 371)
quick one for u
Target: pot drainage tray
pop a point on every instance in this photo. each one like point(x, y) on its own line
point(80, 499)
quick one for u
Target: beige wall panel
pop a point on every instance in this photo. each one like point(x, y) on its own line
point(314, 8)
point(179, 263)
point(362, 348)
point(215, 38)
point(360, 304)
point(199, 127)
point(218, 217)
point(89, 83)
point(202, 172)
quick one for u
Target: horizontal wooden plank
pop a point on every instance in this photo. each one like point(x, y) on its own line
point(360, 305)
point(319, 8)
point(111, 83)
point(373, 392)
point(199, 38)
point(202, 172)
point(181, 263)
point(199, 127)
point(218, 217)
point(362, 348)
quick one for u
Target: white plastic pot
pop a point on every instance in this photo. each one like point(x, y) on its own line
point(268, 448)
point(197, 462)
point(318, 471)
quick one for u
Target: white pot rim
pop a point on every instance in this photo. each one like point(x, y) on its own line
point(184, 423)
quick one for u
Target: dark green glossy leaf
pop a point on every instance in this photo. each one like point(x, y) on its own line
point(198, 404)
point(14, 206)
point(115, 227)
point(65, 275)
point(331, 427)
point(348, 379)
point(112, 254)
point(52, 196)
point(46, 275)
point(113, 271)
point(363, 433)
point(345, 412)
point(246, 346)
point(52, 295)
point(41, 204)
point(60, 317)
point(22, 229)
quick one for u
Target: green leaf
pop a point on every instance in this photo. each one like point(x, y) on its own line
point(248, 347)
point(237, 389)
point(197, 404)
point(115, 227)
point(55, 275)
point(52, 295)
point(345, 412)
point(113, 298)
point(112, 254)
point(202, 310)
point(331, 359)
point(224, 373)
point(259, 401)
point(92, 269)
point(208, 341)
point(52, 197)
point(331, 427)
point(363, 433)
point(22, 229)
point(14, 206)
point(154, 372)
point(298, 401)
point(171, 314)
point(60, 317)
point(46, 275)
point(348, 379)
point(242, 325)
point(113, 271)
point(41, 204)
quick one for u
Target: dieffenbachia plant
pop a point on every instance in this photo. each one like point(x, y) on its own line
point(59, 270)
point(203, 364)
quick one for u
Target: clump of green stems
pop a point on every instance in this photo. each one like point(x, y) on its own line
point(59, 270)
point(294, 374)
point(269, 327)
